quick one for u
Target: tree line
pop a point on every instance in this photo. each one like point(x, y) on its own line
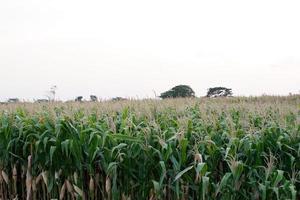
point(179, 91)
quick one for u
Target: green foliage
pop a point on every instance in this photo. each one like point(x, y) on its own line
point(219, 92)
point(93, 98)
point(118, 99)
point(166, 154)
point(178, 91)
point(79, 98)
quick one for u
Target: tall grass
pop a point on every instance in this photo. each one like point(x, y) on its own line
point(237, 148)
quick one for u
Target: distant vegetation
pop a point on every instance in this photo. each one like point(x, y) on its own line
point(13, 100)
point(42, 100)
point(79, 98)
point(93, 98)
point(219, 92)
point(178, 91)
point(118, 99)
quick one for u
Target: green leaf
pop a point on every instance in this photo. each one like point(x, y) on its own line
point(183, 172)
point(183, 145)
point(95, 153)
point(52, 150)
point(201, 168)
point(64, 146)
point(293, 191)
point(125, 138)
point(164, 171)
point(45, 141)
point(91, 137)
point(111, 167)
point(279, 177)
point(275, 189)
point(263, 189)
point(205, 184)
point(223, 182)
point(156, 186)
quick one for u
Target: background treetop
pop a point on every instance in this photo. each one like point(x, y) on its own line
point(178, 91)
point(219, 92)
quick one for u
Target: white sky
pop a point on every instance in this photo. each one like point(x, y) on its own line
point(130, 48)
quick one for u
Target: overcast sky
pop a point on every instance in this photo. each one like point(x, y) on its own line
point(133, 48)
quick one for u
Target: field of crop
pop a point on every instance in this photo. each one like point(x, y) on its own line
point(232, 148)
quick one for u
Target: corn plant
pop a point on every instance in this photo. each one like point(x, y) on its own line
point(162, 150)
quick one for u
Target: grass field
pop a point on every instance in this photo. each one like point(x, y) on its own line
point(232, 148)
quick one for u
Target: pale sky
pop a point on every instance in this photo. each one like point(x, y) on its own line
point(132, 48)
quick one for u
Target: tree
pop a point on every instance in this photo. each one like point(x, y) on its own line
point(118, 99)
point(42, 100)
point(13, 100)
point(79, 98)
point(178, 91)
point(93, 98)
point(219, 92)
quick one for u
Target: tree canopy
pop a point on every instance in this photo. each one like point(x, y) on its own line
point(219, 92)
point(178, 91)
point(79, 98)
point(93, 98)
point(118, 99)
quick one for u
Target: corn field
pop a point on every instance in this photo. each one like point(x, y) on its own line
point(235, 148)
